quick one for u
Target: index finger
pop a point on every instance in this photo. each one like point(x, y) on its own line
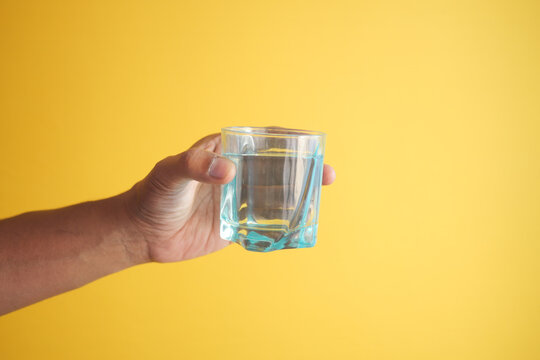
point(329, 175)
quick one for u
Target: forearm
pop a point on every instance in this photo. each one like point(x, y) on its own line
point(45, 253)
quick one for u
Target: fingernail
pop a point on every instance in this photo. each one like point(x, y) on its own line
point(218, 168)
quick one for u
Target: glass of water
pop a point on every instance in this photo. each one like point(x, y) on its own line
point(273, 201)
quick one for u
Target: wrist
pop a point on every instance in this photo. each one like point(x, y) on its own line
point(132, 240)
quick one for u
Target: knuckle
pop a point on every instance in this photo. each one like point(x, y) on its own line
point(160, 166)
point(157, 179)
point(189, 158)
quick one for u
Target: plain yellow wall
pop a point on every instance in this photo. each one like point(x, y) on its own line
point(429, 241)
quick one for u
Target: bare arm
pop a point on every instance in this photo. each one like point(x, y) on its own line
point(170, 215)
point(45, 253)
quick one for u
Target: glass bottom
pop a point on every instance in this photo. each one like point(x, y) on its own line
point(265, 239)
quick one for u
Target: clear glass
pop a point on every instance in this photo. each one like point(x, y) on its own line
point(273, 202)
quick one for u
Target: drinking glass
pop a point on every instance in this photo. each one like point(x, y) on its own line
point(273, 201)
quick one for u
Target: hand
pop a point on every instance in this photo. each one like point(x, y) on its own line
point(176, 207)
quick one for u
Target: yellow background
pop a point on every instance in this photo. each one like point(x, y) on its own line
point(429, 241)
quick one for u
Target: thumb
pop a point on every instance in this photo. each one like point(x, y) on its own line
point(195, 164)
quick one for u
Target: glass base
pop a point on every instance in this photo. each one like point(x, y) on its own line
point(265, 239)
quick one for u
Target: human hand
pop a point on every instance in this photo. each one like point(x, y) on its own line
point(175, 208)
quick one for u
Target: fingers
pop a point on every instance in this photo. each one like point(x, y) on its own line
point(329, 175)
point(205, 166)
point(209, 142)
point(195, 164)
point(201, 163)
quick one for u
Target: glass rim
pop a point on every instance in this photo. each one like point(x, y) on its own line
point(270, 131)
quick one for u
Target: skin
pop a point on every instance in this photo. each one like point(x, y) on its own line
point(170, 215)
